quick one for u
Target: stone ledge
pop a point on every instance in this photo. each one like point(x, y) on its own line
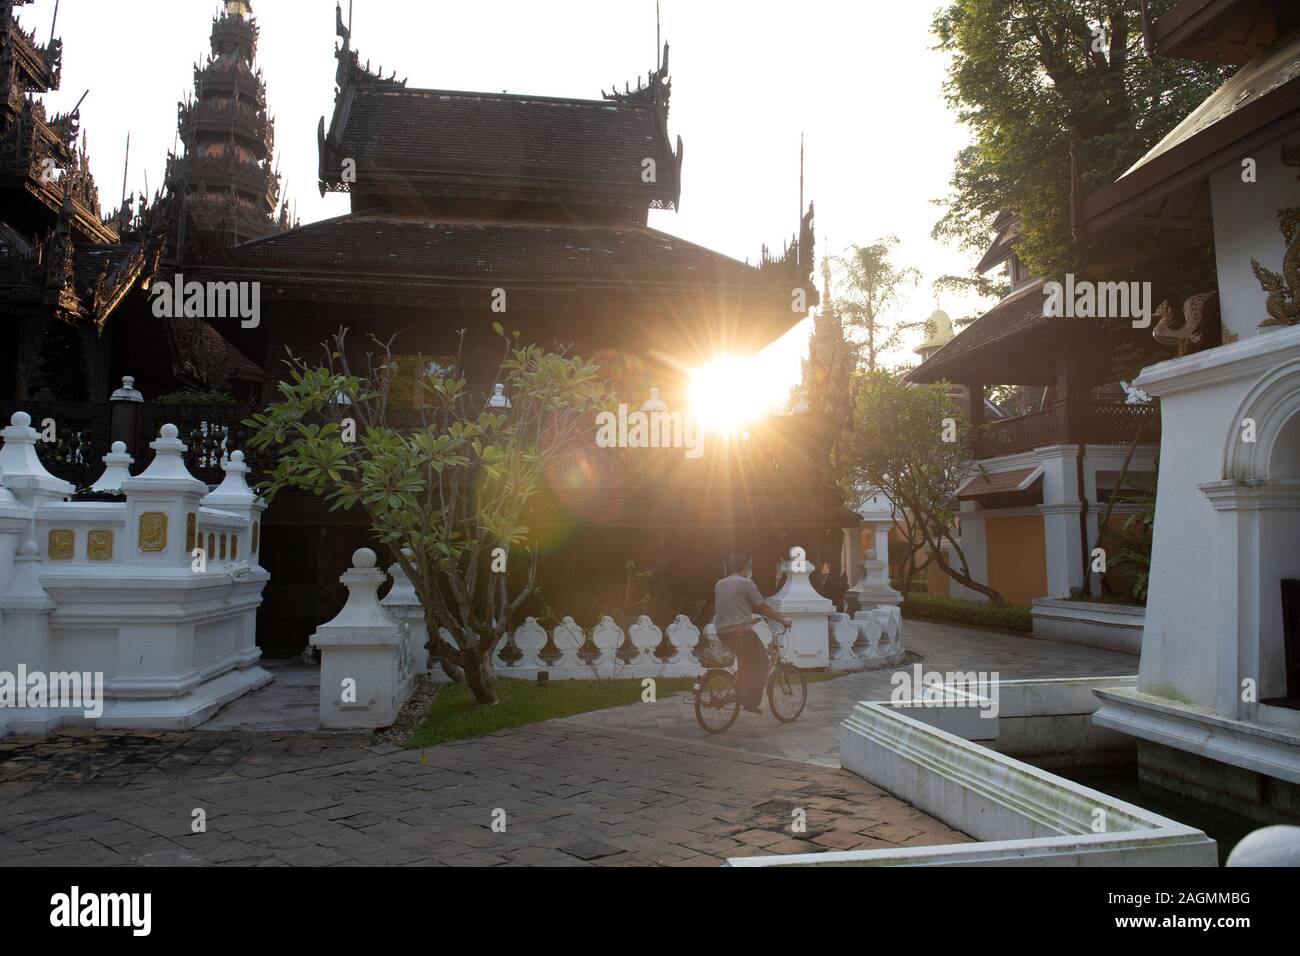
point(1111, 627)
point(1021, 813)
point(1272, 751)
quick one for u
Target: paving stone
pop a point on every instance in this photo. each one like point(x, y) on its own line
point(626, 786)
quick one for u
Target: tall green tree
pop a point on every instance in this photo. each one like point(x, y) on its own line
point(868, 289)
point(909, 443)
point(1038, 80)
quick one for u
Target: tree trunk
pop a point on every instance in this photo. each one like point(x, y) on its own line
point(480, 676)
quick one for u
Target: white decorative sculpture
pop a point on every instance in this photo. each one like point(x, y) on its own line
point(363, 683)
point(499, 399)
point(654, 403)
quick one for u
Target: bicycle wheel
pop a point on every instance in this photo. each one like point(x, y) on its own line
point(787, 692)
point(716, 703)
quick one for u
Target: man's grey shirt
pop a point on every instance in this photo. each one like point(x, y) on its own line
point(735, 599)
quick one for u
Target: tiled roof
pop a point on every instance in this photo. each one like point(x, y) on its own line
point(435, 142)
point(1016, 313)
point(996, 484)
point(369, 243)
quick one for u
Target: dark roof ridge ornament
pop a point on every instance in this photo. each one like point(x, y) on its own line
point(350, 71)
point(653, 90)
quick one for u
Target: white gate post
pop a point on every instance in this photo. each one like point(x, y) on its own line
point(808, 644)
point(365, 673)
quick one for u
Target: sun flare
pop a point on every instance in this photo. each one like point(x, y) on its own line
point(729, 393)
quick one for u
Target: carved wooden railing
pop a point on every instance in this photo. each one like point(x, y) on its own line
point(1011, 435)
point(779, 460)
point(1090, 423)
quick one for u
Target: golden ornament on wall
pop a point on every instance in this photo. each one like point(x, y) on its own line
point(153, 531)
point(257, 527)
point(99, 546)
point(61, 545)
point(191, 530)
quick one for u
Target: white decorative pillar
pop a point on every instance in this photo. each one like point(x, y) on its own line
point(1062, 530)
point(807, 645)
point(26, 609)
point(162, 507)
point(403, 603)
point(25, 476)
point(364, 674)
point(15, 526)
point(873, 588)
point(117, 468)
point(234, 496)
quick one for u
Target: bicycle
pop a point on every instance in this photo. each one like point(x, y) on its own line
point(716, 703)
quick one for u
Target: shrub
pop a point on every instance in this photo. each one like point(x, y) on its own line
point(934, 607)
point(190, 396)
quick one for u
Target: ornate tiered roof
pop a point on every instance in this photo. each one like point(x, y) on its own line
point(388, 144)
point(229, 187)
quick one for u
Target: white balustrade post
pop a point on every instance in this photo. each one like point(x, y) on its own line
point(365, 674)
point(843, 635)
point(25, 476)
point(117, 468)
point(529, 639)
point(807, 642)
point(404, 604)
point(569, 638)
point(684, 637)
point(646, 637)
point(608, 638)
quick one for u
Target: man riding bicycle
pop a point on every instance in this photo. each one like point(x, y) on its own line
point(736, 599)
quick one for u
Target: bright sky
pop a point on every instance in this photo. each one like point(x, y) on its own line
point(857, 77)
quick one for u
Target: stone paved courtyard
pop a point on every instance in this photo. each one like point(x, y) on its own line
point(636, 785)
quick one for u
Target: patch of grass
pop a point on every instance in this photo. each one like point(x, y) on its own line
point(934, 607)
point(454, 715)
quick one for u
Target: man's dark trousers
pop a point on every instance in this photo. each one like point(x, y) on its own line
point(751, 656)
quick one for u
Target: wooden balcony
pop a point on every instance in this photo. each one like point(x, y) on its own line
point(1074, 422)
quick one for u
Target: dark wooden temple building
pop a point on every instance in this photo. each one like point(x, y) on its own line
point(460, 202)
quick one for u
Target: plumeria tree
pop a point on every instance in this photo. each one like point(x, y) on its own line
point(909, 442)
point(445, 478)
